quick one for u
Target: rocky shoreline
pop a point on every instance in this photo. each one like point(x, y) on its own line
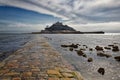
point(100, 52)
point(37, 60)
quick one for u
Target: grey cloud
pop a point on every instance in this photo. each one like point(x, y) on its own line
point(88, 10)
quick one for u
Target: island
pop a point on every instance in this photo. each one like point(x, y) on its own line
point(59, 28)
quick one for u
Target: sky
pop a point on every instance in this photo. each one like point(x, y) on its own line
point(82, 15)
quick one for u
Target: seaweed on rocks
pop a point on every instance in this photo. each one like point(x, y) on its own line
point(64, 46)
point(84, 55)
point(71, 49)
point(90, 59)
point(117, 58)
point(80, 52)
point(72, 45)
point(111, 45)
point(103, 55)
point(108, 48)
point(98, 48)
point(101, 71)
point(115, 48)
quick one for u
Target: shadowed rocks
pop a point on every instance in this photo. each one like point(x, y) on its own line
point(71, 49)
point(101, 51)
point(108, 48)
point(111, 45)
point(98, 48)
point(80, 52)
point(84, 55)
point(115, 48)
point(90, 49)
point(90, 60)
point(103, 55)
point(72, 45)
point(101, 71)
point(117, 58)
point(64, 46)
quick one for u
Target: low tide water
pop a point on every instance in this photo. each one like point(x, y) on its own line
point(89, 70)
point(11, 42)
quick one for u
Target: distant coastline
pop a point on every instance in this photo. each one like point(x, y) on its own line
point(59, 28)
point(76, 32)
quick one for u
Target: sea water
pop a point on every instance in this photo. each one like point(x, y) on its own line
point(11, 42)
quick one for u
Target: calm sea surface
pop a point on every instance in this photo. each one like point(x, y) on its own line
point(89, 69)
point(12, 42)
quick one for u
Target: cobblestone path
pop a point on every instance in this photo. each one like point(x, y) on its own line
point(37, 60)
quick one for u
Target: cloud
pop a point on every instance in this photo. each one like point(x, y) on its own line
point(75, 12)
point(10, 26)
point(33, 6)
point(14, 24)
point(106, 26)
point(85, 11)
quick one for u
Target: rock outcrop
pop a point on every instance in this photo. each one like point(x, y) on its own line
point(59, 27)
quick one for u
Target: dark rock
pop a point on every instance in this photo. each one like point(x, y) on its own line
point(101, 71)
point(90, 59)
point(103, 55)
point(73, 45)
point(117, 58)
point(90, 49)
point(71, 49)
point(80, 53)
point(111, 45)
point(98, 48)
point(115, 48)
point(107, 48)
point(64, 46)
point(84, 55)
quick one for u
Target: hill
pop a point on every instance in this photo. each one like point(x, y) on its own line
point(59, 27)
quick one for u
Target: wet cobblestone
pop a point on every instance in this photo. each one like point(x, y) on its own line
point(37, 61)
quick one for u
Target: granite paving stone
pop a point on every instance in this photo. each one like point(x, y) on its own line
point(37, 60)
